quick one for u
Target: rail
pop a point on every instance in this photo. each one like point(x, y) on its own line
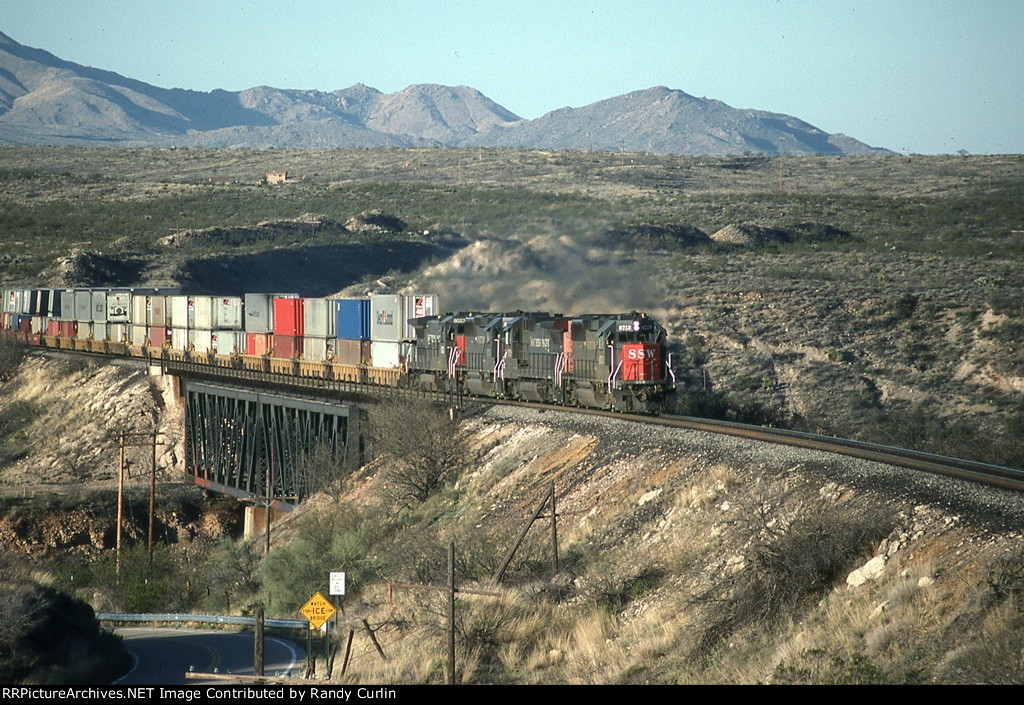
point(974, 471)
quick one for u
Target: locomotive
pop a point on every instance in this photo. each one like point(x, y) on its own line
point(610, 361)
point(606, 361)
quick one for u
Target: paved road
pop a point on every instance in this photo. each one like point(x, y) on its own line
point(162, 655)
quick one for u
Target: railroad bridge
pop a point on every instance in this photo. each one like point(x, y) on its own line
point(258, 435)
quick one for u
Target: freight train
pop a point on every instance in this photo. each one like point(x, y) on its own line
point(609, 361)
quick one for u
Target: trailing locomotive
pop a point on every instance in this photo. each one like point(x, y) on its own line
point(610, 361)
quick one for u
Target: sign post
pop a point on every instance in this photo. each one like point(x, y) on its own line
point(316, 611)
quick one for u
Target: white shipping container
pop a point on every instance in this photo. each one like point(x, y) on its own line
point(117, 332)
point(67, 305)
point(138, 335)
point(37, 325)
point(259, 310)
point(229, 313)
point(119, 305)
point(179, 338)
point(140, 309)
point(178, 307)
point(201, 310)
point(416, 306)
point(202, 340)
point(385, 354)
point(84, 331)
point(99, 331)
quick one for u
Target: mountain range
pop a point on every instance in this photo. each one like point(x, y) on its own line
point(46, 100)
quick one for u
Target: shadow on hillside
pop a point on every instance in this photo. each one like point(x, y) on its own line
point(309, 271)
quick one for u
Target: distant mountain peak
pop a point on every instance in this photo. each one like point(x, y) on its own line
point(46, 100)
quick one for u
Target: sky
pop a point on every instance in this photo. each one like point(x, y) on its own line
point(921, 76)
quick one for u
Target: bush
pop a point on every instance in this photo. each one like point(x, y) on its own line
point(421, 444)
point(792, 554)
point(11, 355)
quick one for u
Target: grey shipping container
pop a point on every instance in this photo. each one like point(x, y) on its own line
point(385, 317)
point(99, 309)
point(317, 349)
point(67, 305)
point(83, 305)
point(318, 318)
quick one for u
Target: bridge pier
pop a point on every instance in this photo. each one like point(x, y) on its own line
point(255, 521)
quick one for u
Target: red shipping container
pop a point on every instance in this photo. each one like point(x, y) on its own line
point(53, 328)
point(287, 347)
point(68, 329)
point(257, 343)
point(158, 337)
point(288, 315)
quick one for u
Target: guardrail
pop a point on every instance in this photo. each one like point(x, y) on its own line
point(201, 619)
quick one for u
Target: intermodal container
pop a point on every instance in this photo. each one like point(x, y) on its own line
point(67, 305)
point(156, 311)
point(385, 317)
point(53, 328)
point(385, 354)
point(318, 318)
point(158, 336)
point(98, 313)
point(179, 312)
point(179, 338)
point(83, 306)
point(352, 352)
point(258, 343)
point(201, 339)
point(68, 329)
point(201, 310)
point(352, 319)
point(83, 330)
point(228, 311)
point(140, 310)
point(228, 342)
point(119, 306)
point(99, 331)
point(318, 349)
point(117, 332)
point(287, 346)
point(288, 317)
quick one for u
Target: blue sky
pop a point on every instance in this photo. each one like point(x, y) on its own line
point(916, 75)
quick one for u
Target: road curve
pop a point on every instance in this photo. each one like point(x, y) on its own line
point(162, 655)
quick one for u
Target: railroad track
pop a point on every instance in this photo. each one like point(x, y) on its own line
point(974, 471)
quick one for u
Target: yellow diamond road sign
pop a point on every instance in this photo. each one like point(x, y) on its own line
point(318, 610)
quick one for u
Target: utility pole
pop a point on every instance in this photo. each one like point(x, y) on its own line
point(781, 140)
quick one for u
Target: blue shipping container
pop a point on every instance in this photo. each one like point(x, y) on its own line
point(352, 318)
